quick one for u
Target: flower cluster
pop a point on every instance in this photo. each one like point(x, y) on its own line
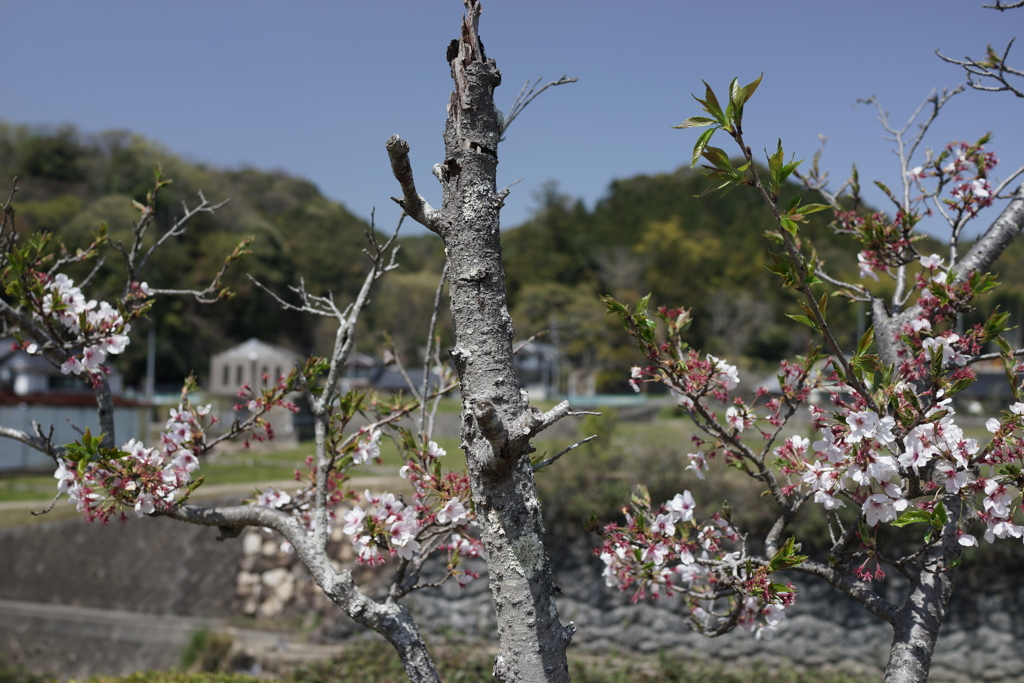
point(272, 395)
point(386, 523)
point(97, 328)
point(668, 551)
point(101, 482)
point(383, 524)
point(963, 168)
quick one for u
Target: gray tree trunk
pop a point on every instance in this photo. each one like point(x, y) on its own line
point(532, 641)
point(916, 624)
point(497, 422)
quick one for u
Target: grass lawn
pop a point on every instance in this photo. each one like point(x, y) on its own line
point(35, 487)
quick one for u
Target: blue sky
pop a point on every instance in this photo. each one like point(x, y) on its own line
point(316, 87)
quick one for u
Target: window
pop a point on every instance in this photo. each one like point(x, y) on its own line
point(226, 376)
point(238, 375)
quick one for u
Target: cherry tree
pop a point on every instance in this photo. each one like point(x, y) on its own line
point(886, 449)
point(492, 511)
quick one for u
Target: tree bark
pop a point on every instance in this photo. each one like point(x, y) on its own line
point(497, 422)
point(916, 624)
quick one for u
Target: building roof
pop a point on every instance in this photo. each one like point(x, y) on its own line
point(254, 349)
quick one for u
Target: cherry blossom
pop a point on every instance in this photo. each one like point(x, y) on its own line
point(881, 508)
point(369, 449)
point(453, 512)
point(726, 374)
point(635, 374)
point(698, 463)
point(682, 507)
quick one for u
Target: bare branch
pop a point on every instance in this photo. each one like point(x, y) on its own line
point(214, 292)
point(431, 343)
point(37, 442)
point(996, 239)
point(523, 344)
point(989, 356)
point(317, 305)
point(533, 421)
point(48, 508)
point(992, 68)
point(526, 95)
point(859, 291)
point(405, 375)
point(544, 463)
point(1003, 185)
point(411, 202)
point(179, 227)
point(855, 588)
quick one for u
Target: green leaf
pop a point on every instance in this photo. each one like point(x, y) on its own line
point(696, 122)
point(712, 102)
point(938, 518)
point(1004, 346)
point(748, 90)
point(788, 169)
point(805, 320)
point(785, 557)
point(775, 166)
point(717, 158)
point(912, 517)
point(789, 226)
point(813, 208)
point(711, 105)
point(865, 341)
point(641, 306)
point(959, 385)
point(734, 107)
point(646, 328)
point(715, 188)
point(614, 306)
point(885, 188)
point(702, 142)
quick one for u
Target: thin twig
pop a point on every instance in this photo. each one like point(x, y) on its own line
point(431, 343)
point(48, 507)
point(556, 456)
point(1002, 185)
point(526, 95)
point(523, 344)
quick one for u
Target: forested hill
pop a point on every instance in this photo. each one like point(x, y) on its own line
point(71, 183)
point(648, 234)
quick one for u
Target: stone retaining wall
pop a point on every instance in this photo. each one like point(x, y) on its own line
point(160, 567)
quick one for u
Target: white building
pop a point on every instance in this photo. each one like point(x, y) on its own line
point(248, 363)
point(258, 365)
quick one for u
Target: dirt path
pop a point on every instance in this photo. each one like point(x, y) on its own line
point(71, 641)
